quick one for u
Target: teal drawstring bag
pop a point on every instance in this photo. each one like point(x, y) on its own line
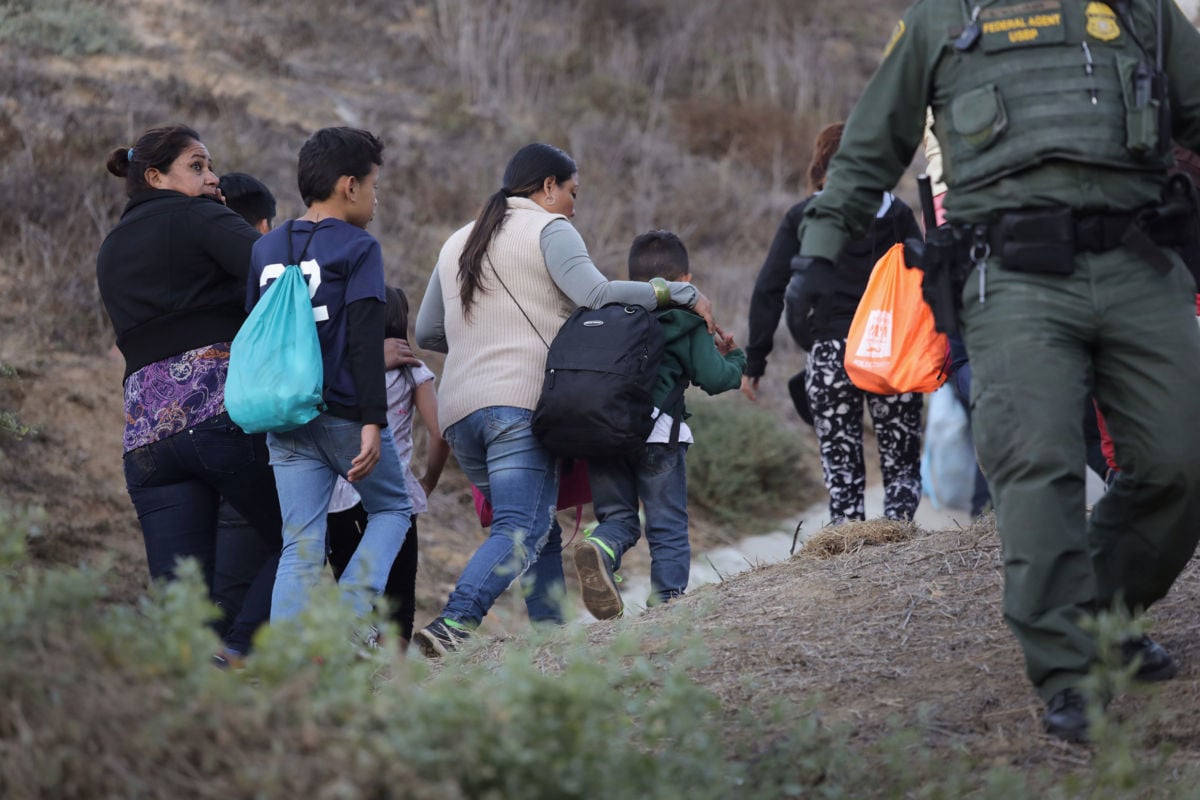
point(276, 376)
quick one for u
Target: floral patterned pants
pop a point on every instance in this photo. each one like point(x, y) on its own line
point(838, 419)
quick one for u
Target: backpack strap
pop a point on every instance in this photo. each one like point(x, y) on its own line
point(518, 305)
point(304, 250)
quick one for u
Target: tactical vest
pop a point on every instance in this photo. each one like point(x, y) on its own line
point(1044, 79)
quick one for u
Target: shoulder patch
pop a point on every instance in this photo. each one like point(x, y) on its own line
point(897, 35)
point(1102, 22)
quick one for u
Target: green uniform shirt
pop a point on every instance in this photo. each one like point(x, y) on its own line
point(888, 122)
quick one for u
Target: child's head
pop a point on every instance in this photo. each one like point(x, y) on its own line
point(658, 254)
point(341, 163)
point(395, 324)
point(250, 197)
point(824, 148)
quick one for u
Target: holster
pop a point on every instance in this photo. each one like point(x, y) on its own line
point(944, 258)
point(1175, 224)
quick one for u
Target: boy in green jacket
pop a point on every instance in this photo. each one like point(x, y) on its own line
point(657, 473)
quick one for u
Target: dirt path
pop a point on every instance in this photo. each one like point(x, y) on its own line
point(722, 563)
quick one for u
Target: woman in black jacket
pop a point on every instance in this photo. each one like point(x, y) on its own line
point(836, 403)
point(172, 275)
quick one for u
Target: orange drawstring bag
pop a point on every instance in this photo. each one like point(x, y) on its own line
point(893, 347)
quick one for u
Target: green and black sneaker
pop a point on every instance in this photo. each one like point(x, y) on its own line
point(594, 562)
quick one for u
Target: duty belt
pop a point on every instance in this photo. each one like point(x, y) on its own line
point(1046, 240)
point(1093, 233)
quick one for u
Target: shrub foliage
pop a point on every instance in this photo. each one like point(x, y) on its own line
point(110, 700)
point(747, 467)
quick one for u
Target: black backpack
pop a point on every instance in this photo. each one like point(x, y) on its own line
point(600, 373)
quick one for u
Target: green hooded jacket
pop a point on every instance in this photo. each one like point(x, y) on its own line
point(692, 355)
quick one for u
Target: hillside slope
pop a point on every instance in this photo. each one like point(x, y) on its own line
point(692, 115)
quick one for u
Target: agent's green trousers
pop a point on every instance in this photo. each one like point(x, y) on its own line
point(1040, 345)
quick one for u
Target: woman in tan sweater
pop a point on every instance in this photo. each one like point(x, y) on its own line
point(502, 287)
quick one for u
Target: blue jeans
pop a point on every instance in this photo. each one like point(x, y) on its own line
point(543, 584)
point(307, 462)
point(496, 448)
point(657, 475)
point(981, 496)
point(343, 533)
point(176, 485)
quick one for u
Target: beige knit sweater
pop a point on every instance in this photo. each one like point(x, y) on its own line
point(496, 358)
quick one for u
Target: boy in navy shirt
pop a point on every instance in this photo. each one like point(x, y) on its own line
point(343, 265)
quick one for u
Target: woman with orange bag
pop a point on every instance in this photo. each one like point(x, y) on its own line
point(820, 324)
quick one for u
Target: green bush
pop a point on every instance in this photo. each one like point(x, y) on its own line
point(104, 700)
point(11, 426)
point(122, 701)
point(747, 467)
point(63, 27)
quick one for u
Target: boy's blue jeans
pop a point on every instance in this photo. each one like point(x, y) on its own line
point(307, 461)
point(496, 449)
point(657, 475)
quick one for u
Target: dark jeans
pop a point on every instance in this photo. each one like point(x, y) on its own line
point(655, 475)
point(241, 555)
point(176, 486)
point(345, 531)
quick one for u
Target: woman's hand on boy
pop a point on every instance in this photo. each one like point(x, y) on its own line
point(703, 307)
point(368, 455)
point(724, 341)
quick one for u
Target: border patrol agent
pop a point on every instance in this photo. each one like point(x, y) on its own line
point(1054, 118)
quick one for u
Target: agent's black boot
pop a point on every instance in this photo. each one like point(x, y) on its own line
point(1156, 663)
point(1066, 716)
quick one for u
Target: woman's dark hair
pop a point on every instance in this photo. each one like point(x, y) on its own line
point(526, 174)
point(157, 148)
point(331, 153)
point(824, 148)
point(395, 320)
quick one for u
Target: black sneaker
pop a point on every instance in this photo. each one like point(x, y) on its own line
point(593, 562)
point(440, 637)
point(1154, 662)
point(1066, 716)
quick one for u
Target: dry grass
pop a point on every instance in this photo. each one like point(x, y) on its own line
point(905, 632)
point(851, 537)
point(691, 116)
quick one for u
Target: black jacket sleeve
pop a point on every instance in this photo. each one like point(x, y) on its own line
point(364, 352)
point(225, 236)
point(766, 303)
point(908, 228)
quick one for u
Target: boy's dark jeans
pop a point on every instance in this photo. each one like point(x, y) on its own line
point(656, 475)
point(176, 486)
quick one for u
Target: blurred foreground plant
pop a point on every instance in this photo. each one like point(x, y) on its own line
point(100, 700)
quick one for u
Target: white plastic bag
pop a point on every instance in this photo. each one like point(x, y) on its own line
point(948, 458)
